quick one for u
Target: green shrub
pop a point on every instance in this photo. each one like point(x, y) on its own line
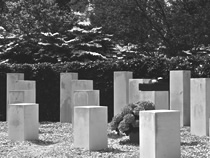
point(128, 119)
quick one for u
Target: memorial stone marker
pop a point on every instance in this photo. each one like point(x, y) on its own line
point(200, 106)
point(23, 121)
point(121, 89)
point(180, 94)
point(159, 134)
point(90, 127)
point(65, 94)
point(134, 89)
point(11, 80)
point(66, 114)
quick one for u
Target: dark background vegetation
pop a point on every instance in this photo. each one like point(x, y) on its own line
point(42, 38)
point(47, 77)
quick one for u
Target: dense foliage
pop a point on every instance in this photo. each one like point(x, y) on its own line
point(173, 27)
point(47, 77)
point(54, 31)
point(43, 31)
point(128, 120)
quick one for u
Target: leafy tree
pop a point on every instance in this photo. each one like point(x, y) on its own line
point(42, 31)
point(164, 26)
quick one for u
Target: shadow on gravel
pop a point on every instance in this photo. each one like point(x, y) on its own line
point(189, 143)
point(128, 142)
point(43, 143)
point(114, 136)
point(42, 132)
point(113, 150)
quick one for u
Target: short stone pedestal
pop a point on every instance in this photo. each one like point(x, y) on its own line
point(159, 98)
point(134, 89)
point(200, 106)
point(23, 121)
point(90, 127)
point(67, 105)
point(159, 134)
point(180, 94)
point(121, 89)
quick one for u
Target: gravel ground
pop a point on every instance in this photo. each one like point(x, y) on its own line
point(55, 140)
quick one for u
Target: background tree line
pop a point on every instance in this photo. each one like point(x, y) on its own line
point(67, 30)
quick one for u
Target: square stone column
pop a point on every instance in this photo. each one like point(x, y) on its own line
point(180, 94)
point(90, 127)
point(159, 134)
point(86, 97)
point(200, 106)
point(134, 89)
point(11, 81)
point(159, 98)
point(21, 96)
point(65, 93)
point(23, 121)
point(121, 89)
point(25, 85)
point(67, 114)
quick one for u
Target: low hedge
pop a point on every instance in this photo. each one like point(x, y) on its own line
point(47, 77)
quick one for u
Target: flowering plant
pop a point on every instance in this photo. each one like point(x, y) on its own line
point(128, 120)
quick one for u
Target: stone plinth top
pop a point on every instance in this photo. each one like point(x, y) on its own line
point(179, 70)
point(23, 104)
point(160, 111)
point(88, 90)
point(90, 106)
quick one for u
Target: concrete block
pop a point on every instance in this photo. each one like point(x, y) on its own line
point(65, 91)
point(11, 81)
point(90, 127)
point(25, 85)
point(159, 134)
point(86, 97)
point(121, 89)
point(21, 96)
point(200, 106)
point(66, 114)
point(134, 89)
point(159, 98)
point(180, 94)
point(23, 121)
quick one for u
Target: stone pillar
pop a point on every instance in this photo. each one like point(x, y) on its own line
point(90, 127)
point(65, 92)
point(25, 85)
point(209, 126)
point(86, 97)
point(67, 114)
point(23, 121)
point(180, 94)
point(159, 134)
point(200, 106)
point(21, 96)
point(11, 80)
point(134, 89)
point(121, 89)
point(159, 98)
